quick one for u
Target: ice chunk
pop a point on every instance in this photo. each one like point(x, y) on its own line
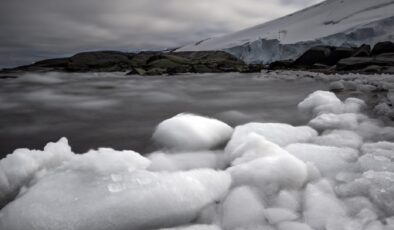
point(20, 167)
point(378, 186)
point(242, 208)
point(253, 146)
point(85, 194)
point(385, 149)
point(194, 227)
point(278, 215)
point(280, 134)
point(322, 207)
point(105, 161)
point(337, 86)
point(191, 132)
point(288, 200)
point(329, 160)
point(271, 173)
point(291, 225)
point(186, 161)
point(321, 102)
point(350, 121)
point(376, 163)
point(339, 138)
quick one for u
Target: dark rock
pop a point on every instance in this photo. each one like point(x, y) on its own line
point(142, 58)
point(373, 69)
point(284, 64)
point(156, 71)
point(383, 47)
point(359, 63)
point(338, 53)
point(53, 63)
point(363, 51)
point(106, 61)
point(325, 55)
point(136, 71)
point(143, 63)
point(252, 68)
point(354, 63)
point(201, 68)
point(318, 54)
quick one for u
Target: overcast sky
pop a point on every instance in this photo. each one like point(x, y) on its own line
point(31, 30)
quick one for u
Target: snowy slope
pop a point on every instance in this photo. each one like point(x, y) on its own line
point(333, 22)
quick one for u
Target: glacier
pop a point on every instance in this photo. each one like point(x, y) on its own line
point(332, 22)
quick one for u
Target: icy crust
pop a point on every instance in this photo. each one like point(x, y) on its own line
point(337, 176)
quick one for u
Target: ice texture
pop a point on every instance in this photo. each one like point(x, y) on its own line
point(336, 173)
point(191, 132)
point(77, 198)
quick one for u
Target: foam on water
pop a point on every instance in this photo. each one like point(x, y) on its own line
point(337, 173)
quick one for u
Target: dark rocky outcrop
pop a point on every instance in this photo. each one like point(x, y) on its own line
point(104, 61)
point(144, 63)
point(331, 59)
point(318, 54)
point(376, 64)
point(383, 47)
point(326, 55)
point(363, 51)
point(284, 64)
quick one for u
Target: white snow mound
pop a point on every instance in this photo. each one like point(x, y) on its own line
point(192, 132)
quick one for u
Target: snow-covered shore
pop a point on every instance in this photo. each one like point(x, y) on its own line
point(376, 89)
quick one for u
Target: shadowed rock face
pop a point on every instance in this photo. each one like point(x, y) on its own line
point(143, 63)
point(383, 47)
point(331, 59)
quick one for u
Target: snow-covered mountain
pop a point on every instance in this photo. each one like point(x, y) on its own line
point(333, 22)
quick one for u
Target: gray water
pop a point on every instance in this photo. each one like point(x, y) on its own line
point(121, 112)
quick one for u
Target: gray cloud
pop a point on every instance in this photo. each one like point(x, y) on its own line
point(33, 30)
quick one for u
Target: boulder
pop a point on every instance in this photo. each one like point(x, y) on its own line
point(136, 71)
point(283, 64)
point(338, 53)
point(325, 55)
point(363, 51)
point(383, 47)
point(373, 69)
point(156, 71)
point(317, 54)
point(359, 63)
point(142, 58)
point(354, 63)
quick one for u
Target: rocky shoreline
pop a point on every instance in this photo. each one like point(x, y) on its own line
point(331, 59)
point(143, 63)
point(324, 59)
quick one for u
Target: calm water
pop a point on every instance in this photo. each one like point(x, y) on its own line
point(112, 110)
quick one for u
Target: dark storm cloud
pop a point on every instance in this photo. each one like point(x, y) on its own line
point(36, 29)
